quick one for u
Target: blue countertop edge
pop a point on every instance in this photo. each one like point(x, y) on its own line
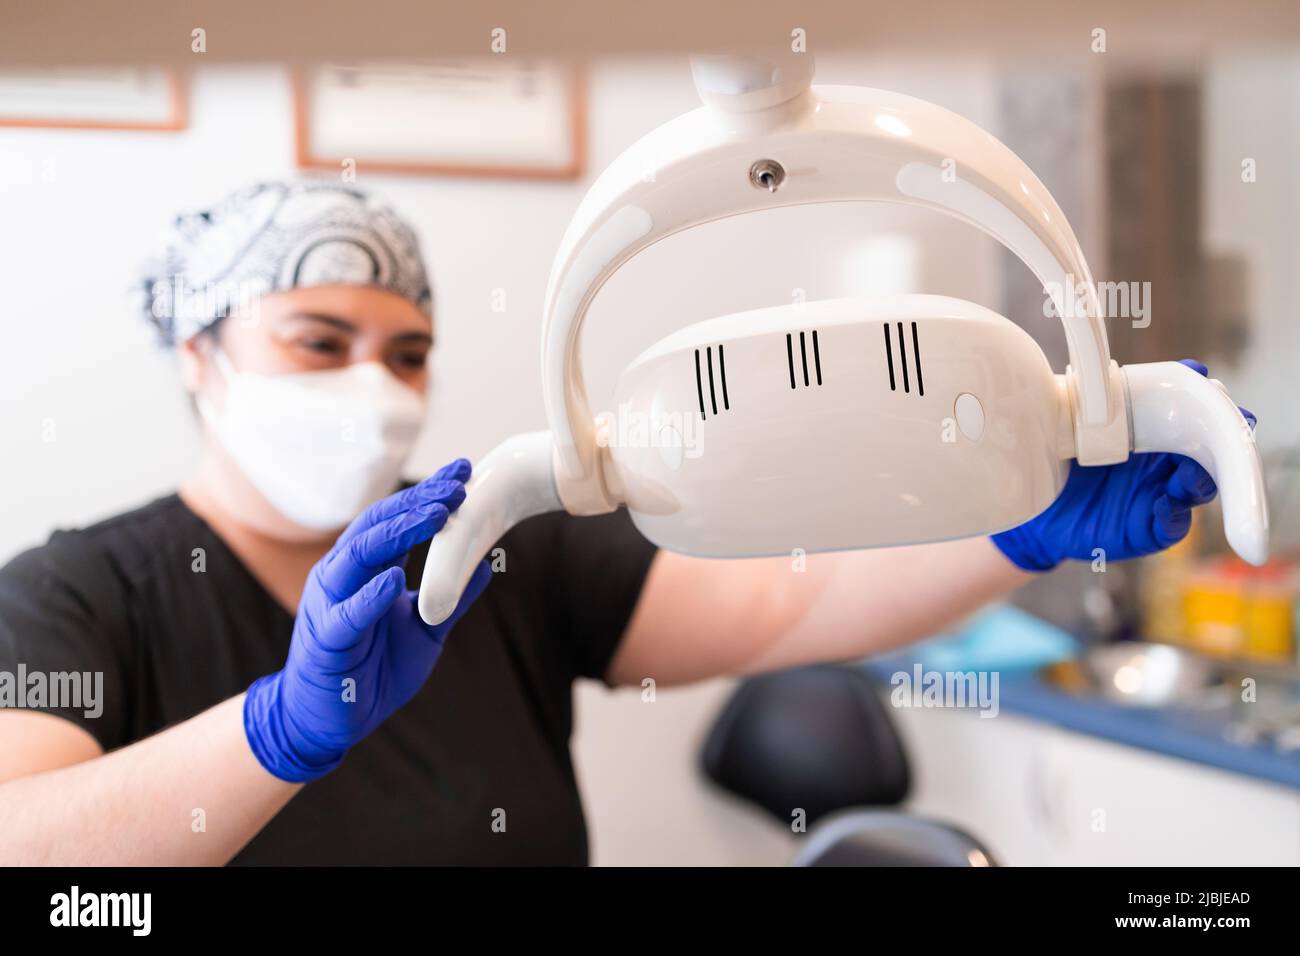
point(1175, 733)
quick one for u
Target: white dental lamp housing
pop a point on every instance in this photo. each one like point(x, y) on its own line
point(849, 423)
point(838, 424)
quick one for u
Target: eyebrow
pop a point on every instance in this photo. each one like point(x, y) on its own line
point(335, 321)
point(421, 338)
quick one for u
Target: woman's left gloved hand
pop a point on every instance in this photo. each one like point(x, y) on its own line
point(359, 649)
point(1137, 507)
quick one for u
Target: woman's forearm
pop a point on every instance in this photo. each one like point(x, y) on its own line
point(701, 618)
point(193, 794)
point(866, 602)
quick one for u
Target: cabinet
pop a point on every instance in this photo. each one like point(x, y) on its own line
point(1037, 794)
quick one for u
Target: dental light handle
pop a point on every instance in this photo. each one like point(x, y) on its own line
point(1174, 409)
point(514, 481)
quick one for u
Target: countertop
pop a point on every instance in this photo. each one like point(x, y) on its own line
point(1201, 736)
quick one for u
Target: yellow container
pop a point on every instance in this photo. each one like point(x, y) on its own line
point(1234, 610)
point(1163, 583)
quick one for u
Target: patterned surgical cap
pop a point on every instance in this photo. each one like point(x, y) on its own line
point(274, 236)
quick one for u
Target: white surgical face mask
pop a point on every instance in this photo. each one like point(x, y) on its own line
point(319, 446)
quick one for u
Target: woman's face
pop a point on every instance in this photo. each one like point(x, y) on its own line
point(301, 330)
point(319, 328)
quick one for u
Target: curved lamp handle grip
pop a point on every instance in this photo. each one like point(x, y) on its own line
point(514, 481)
point(1175, 409)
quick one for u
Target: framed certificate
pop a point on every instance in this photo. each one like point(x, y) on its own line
point(107, 98)
point(490, 116)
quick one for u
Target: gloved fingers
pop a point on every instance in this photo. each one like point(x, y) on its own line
point(433, 488)
point(1170, 521)
point(458, 470)
point(1251, 418)
point(477, 584)
point(1191, 484)
point(356, 561)
point(449, 492)
point(352, 617)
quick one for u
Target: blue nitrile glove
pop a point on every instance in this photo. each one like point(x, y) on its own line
point(360, 649)
point(1137, 507)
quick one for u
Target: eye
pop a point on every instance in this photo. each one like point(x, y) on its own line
point(322, 346)
point(414, 360)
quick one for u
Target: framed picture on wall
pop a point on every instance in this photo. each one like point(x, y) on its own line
point(490, 116)
point(92, 98)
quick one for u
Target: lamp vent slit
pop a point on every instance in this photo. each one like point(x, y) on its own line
point(889, 357)
point(713, 396)
point(722, 372)
point(902, 351)
point(699, 383)
point(916, 359)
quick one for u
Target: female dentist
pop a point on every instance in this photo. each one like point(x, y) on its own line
point(269, 693)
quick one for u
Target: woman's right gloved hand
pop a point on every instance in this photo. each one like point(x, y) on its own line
point(360, 649)
point(1137, 507)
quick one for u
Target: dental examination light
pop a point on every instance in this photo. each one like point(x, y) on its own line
point(847, 423)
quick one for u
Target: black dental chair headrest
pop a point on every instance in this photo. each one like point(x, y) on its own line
point(815, 738)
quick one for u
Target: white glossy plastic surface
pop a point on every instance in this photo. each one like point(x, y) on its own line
point(513, 482)
point(1178, 410)
point(831, 425)
point(743, 84)
point(835, 144)
point(970, 416)
point(848, 463)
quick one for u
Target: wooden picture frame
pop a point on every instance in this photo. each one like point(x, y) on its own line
point(115, 98)
point(557, 122)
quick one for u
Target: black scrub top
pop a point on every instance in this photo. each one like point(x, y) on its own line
point(484, 742)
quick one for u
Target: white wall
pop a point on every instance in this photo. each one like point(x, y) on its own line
point(79, 209)
point(1251, 110)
